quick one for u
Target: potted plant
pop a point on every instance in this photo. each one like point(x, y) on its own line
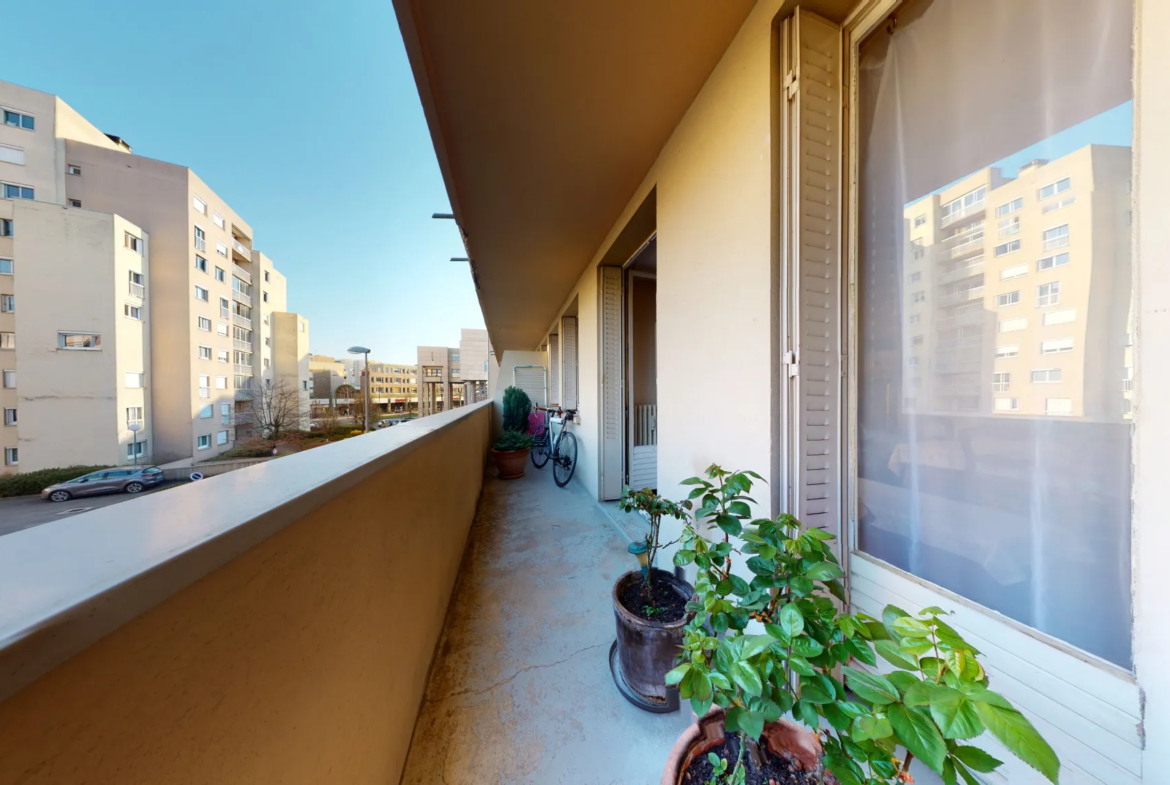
point(510, 450)
point(863, 731)
point(650, 610)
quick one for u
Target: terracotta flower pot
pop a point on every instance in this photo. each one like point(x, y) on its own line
point(708, 733)
point(510, 465)
point(646, 650)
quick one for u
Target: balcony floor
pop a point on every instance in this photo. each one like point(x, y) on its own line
point(520, 690)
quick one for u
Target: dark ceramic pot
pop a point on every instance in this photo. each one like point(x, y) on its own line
point(646, 650)
point(510, 465)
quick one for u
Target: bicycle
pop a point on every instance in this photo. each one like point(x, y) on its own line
point(562, 449)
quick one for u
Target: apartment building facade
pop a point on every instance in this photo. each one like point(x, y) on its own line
point(198, 308)
point(440, 381)
point(393, 387)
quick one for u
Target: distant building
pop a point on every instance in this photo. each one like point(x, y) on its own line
point(453, 377)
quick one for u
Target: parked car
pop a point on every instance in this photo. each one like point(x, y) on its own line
point(132, 479)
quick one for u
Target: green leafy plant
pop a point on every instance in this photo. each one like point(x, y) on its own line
point(656, 508)
point(513, 441)
point(932, 705)
point(517, 407)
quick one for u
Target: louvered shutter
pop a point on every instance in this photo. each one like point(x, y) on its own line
point(554, 368)
point(612, 472)
point(569, 362)
point(813, 263)
point(531, 379)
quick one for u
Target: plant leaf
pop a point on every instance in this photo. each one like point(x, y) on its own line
point(875, 727)
point(954, 713)
point(759, 566)
point(791, 620)
point(977, 759)
point(746, 677)
point(740, 508)
point(861, 650)
point(1017, 734)
point(948, 775)
point(918, 735)
point(729, 524)
point(739, 587)
point(911, 628)
point(754, 644)
point(676, 675)
point(870, 687)
point(895, 656)
point(814, 694)
point(823, 571)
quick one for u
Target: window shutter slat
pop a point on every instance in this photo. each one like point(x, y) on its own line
point(612, 474)
point(569, 361)
point(554, 368)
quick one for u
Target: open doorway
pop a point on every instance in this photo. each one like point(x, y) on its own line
point(641, 353)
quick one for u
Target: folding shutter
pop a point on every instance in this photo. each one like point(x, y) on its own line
point(812, 169)
point(531, 379)
point(569, 362)
point(612, 452)
point(554, 368)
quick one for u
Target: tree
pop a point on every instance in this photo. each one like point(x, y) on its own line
point(277, 408)
point(329, 418)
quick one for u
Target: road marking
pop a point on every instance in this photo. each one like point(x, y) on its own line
point(75, 509)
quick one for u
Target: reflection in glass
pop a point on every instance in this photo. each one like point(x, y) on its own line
point(994, 410)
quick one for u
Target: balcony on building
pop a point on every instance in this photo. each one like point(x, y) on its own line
point(241, 246)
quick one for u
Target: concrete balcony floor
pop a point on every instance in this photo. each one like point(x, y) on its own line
point(520, 691)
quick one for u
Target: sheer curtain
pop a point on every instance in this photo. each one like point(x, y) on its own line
point(994, 308)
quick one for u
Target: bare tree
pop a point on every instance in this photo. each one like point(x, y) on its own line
point(277, 408)
point(329, 419)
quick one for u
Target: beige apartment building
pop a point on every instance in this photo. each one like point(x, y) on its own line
point(197, 308)
point(1010, 285)
point(393, 387)
point(452, 377)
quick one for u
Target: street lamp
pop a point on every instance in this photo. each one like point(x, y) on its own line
point(366, 379)
point(134, 429)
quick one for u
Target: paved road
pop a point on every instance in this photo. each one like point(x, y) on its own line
point(24, 512)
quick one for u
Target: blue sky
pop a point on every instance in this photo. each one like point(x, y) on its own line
point(305, 118)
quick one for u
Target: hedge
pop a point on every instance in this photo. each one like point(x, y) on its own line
point(28, 483)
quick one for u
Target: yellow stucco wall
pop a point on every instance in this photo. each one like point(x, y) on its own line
point(302, 661)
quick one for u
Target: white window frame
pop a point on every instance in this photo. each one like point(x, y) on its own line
point(7, 269)
point(5, 376)
point(1053, 261)
point(1047, 376)
point(74, 170)
point(221, 438)
point(61, 338)
point(132, 311)
point(223, 356)
point(7, 227)
point(200, 263)
point(11, 456)
point(1049, 411)
point(221, 383)
point(217, 219)
point(1048, 294)
point(131, 420)
point(133, 242)
point(1056, 241)
point(1012, 325)
point(1062, 316)
point(1013, 405)
point(204, 352)
point(75, 203)
point(1007, 299)
point(203, 441)
point(200, 238)
point(1056, 189)
point(1007, 351)
point(198, 205)
point(7, 303)
point(202, 321)
point(1007, 208)
point(1010, 247)
point(202, 294)
point(21, 113)
point(134, 380)
point(10, 415)
point(1057, 346)
point(221, 249)
point(220, 274)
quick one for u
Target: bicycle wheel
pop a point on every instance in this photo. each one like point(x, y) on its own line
point(540, 450)
point(565, 461)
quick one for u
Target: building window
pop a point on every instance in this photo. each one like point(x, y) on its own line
point(1007, 273)
point(74, 170)
point(218, 219)
point(915, 277)
point(6, 228)
point(7, 303)
point(10, 380)
point(10, 416)
point(1061, 317)
point(200, 264)
point(918, 297)
point(221, 249)
point(135, 380)
point(1007, 404)
point(225, 308)
point(264, 296)
point(919, 220)
point(1058, 407)
point(204, 324)
point(1009, 207)
point(1008, 298)
point(205, 412)
point(968, 203)
point(221, 382)
point(266, 361)
point(7, 340)
point(221, 437)
point(304, 384)
point(79, 341)
point(1058, 204)
point(11, 456)
point(225, 414)
point(19, 120)
point(1000, 382)
point(204, 352)
point(1060, 186)
point(265, 276)
point(1002, 352)
point(132, 311)
point(203, 442)
point(915, 318)
point(204, 386)
point(220, 275)
point(13, 191)
point(1006, 248)
point(200, 293)
point(1009, 226)
point(199, 205)
point(1056, 237)
point(222, 355)
point(916, 340)
point(917, 251)
point(1046, 376)
point(1047, 294)
point(132, 242)
point(133, 415)
point(1056, 346)
point(1013, 325)
point(6, 267)
point(222, 329)
point(75, 203)
point(136, 449)
point(200, 239)
point(1048, 262)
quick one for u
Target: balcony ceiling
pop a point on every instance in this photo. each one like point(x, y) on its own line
point(545, 118)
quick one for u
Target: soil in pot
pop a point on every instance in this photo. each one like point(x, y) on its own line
point(778, 769)
point(663, 605)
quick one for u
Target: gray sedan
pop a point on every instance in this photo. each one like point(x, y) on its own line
point(127, 480)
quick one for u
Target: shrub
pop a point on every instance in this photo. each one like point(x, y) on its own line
point(512, 441)
point(249, 448)
point(517, 406)
point(28, 483)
